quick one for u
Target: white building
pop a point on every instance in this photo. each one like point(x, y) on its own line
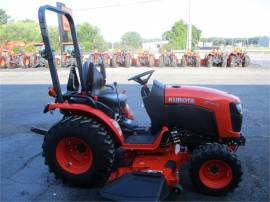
point(154, 46)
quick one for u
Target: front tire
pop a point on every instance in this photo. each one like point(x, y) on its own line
point(80, 151)
point(214, 170)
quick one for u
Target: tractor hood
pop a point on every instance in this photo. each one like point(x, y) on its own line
point(197, 95)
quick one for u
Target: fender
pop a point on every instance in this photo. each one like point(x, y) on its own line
point(109, 122)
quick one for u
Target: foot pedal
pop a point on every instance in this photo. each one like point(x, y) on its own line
point(138, 186)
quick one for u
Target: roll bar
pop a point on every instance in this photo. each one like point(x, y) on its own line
point(48, 49)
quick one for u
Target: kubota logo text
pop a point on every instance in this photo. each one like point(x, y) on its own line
point(181, 100)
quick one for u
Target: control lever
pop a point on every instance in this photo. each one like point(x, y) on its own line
point(119, 107)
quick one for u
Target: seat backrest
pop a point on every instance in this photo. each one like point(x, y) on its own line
point(93, 78)
point(154, 106)
point(73, 81)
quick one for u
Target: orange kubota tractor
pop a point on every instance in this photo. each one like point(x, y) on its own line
point(215, 58)
point(98, 57)
point(238, 58)
point(8, 57)
point(68, 60)
point(167, 59)
point(121, 58)
point(144, 58)
point(97, 143)
point(36, 59)
point(191, 59)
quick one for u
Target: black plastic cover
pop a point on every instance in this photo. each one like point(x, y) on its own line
point(137, 187)
point(236, 118)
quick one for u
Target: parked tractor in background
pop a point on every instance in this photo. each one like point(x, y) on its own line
point(20, 59)
point(191, 59)
point(144, 58)
point(238, 58)
point(121, 58)
point(12, 55)
point(36, 59)
point(68, 59)
point(215, 58)
point(98, 58)
point(168, 59)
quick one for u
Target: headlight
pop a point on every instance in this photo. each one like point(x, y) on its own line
point(239, 108)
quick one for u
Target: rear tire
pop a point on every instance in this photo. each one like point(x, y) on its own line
point(232, 61)
point(173, 61)
point(214, 170)
point(127, 61)
point(80, 151)
point(224, 61)
point(3, 63)
point(198, 62)
point(183, 62)
point(137, 62)
point(26, 62)
point(151, 61)
point(113, 62)
point(209, 62)
point(105, 60)
point(161, 61)
point(246, 62)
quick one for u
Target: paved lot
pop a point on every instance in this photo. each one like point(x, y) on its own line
point(25, 177)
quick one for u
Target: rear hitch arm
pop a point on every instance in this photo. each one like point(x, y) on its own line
point(39, 131)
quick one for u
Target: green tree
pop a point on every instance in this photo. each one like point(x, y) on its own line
point(196, 35)
point(131, 40)
point(27, 31)
point(90, 38)
point(177, 36)
point(4, 17)
point(54, 38)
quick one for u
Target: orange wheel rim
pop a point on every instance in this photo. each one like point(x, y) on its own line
point(2, 63)
point(74, 155)
point(215, 174)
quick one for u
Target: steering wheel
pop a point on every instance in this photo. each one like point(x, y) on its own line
point(138, 77)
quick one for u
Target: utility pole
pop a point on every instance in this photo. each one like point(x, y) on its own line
point(189, 31)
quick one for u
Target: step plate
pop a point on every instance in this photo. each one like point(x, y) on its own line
point(137, 187)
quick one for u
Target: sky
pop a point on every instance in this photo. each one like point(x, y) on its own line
point(150, 18)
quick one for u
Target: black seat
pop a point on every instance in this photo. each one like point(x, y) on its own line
point(109, 97)
point(95, 82)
